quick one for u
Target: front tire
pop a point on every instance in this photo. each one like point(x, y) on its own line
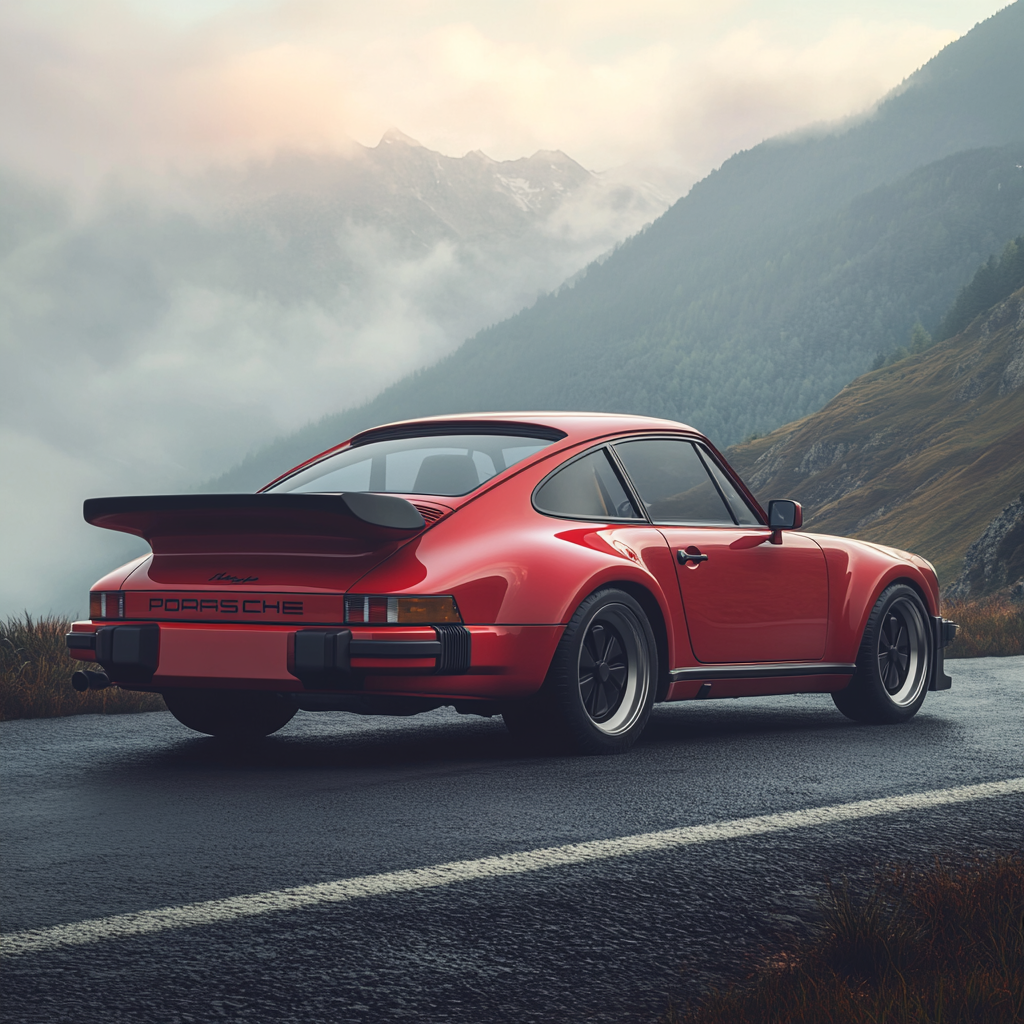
point(599, 690)
point(894, 661)
point(229, 714)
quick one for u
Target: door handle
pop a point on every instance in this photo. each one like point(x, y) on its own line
point(685, 556)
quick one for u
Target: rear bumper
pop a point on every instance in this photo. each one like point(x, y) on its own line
point(488, 662)
point(943, 632)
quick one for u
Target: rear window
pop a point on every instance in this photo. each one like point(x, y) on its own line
point(442, 465)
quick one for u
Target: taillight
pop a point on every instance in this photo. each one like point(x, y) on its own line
point(106, 604)
point(428, 611)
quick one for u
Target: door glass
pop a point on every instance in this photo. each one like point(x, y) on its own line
point(740, 509)
point(588, 488)
point(673, 483)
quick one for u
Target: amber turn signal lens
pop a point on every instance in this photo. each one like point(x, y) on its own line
point(106, 604)
point(428, 611)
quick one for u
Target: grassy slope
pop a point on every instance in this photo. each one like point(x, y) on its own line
point(921, 455)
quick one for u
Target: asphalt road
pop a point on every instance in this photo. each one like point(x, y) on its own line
point(106, 816)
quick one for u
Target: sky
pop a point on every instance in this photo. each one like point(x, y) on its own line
point(92, 87)
point(134, 360)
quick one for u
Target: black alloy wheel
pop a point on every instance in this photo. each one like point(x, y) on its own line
point(607, 669)
point(600, 688)
point(894, 662)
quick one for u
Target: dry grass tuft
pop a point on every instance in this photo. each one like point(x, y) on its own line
point(944, 945)
point(991, 626)
point(35, 676)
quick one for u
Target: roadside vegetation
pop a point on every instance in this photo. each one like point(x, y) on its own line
point(35, 675)
point(991, 626)
point(943, 945)
point(35, 668)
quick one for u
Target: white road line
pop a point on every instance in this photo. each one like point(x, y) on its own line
point(191, 915)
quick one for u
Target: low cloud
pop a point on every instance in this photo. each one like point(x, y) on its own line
point(148, 344)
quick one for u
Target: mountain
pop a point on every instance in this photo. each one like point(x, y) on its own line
point(922, 455)
point(208, 314)
point(774, 282)
point(418, 196)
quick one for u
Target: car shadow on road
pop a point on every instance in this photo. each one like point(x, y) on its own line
point(768, 715)
point(442, 740)
point(347, 744)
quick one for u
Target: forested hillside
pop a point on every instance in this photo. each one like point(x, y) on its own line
point(778, 279)
point(992, 282)
point(922, 455)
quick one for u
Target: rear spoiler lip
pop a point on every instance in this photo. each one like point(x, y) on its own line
point(141, 515)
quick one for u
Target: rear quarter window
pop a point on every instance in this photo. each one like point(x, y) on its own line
point(586, 488)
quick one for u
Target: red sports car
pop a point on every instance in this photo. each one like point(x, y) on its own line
point(563, 570)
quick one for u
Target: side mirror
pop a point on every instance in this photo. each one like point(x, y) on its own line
point(785, 515)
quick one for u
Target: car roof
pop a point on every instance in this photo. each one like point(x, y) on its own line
point(577, 426)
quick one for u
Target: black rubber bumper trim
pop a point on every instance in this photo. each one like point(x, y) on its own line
point(322, 658)
point(456, 649)
point(130, 653)
point(799, 668)
point(394, 648)
point(943, 630)
point(80, 641)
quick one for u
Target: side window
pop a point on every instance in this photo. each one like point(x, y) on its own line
point(673, 483)
point(588, 488)
point(740, 509)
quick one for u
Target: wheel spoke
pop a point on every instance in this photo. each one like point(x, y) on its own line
point(887, 673)
point(611, 696)
point(614, 654)
point(900, 643)
point(588, 691)
point(587, 659)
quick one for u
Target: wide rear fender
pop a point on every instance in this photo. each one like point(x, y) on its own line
point(507, 564)
point(116, 578)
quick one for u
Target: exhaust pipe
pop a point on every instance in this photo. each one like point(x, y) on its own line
point(88, 680)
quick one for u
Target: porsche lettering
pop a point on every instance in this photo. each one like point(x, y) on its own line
point(228, 606)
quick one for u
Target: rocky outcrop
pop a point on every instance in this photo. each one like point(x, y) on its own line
point(994, 563)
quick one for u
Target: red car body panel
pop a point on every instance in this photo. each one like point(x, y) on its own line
point(229, 588)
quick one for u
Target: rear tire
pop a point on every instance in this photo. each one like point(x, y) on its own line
point(894, 662)
point(229, 714)
point(599, 690)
